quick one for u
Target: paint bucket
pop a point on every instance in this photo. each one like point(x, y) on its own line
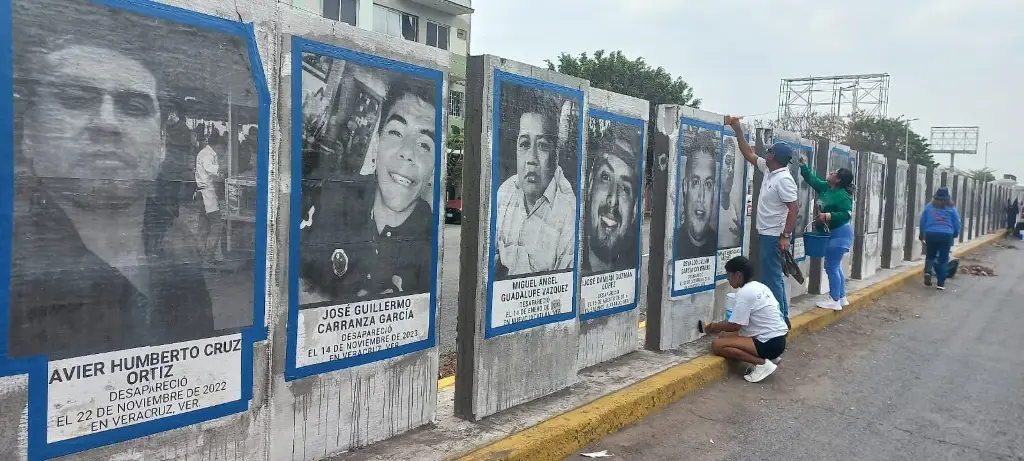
point(816, 243)
point(730, 301)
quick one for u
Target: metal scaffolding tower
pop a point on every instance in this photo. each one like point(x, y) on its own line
point(838, 96)
point(954, 140)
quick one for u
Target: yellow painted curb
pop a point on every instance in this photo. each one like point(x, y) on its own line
point(561, 436)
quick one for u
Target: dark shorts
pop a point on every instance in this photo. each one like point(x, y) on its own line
point(770, 349)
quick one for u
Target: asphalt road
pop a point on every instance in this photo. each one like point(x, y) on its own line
point(921, 375)
point(450, 282)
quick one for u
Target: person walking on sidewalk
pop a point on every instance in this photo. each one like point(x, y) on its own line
point(776, 211)
point(940, 225)
point(754, 333)
point(1012, 208)
point(835, 208)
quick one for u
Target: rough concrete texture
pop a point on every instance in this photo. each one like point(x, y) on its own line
point(239, 436)
point(868, 215)
point(501, 372)
point(325, 414)
point(917, 198)
point(958, 190)
point(604, 338)
point(671, 321)
point(894, 233)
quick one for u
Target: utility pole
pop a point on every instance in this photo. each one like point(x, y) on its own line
point(906, 141)
point(986, 153)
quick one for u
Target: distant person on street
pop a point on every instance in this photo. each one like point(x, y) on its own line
point(755, 333)
point(835, 198)
point(776, 211)
point(940, 225)
point(1012, 208)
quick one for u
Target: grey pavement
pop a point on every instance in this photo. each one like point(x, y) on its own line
point(450, 282)
point(921, 374)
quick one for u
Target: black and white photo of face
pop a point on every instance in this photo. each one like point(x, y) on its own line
point(96, 128)
point(730, 171)
point(536, 154)
point(699, 186)
point(405, 152)
point(611, 197)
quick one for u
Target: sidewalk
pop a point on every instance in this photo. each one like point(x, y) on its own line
point(606, 397)
point(921, 374)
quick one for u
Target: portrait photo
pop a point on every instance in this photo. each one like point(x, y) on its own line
point(370, 156)
point(135, 181)
point(611, 197)
point(732, 209)
point(803, 201)
point(697, 204)
point(537, 165)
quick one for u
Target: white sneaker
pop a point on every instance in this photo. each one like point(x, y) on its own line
point(830, 304)
point(760, 372)
point(844, 302)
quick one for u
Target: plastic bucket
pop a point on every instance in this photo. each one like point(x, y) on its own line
point(816, 244)
point(730, 302)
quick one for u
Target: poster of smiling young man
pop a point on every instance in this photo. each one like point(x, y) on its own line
point(535, 233)
point(610, 241)
point(366, 230)
point(137, 250)
point(696, 233)
point(732, 212)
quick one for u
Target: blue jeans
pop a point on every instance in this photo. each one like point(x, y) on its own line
point(771, 271)
point(936, 261)
point(839, 243)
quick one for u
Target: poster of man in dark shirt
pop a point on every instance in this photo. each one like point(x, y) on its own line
point(370, 236)
point(697, 234)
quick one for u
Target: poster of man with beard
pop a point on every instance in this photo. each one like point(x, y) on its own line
point(610, 255)
point(696, 234)
point(732, 212)
point(111, 298)
point(368, 227)
point(535, 214)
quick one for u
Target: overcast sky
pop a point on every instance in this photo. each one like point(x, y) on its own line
point(952, 62)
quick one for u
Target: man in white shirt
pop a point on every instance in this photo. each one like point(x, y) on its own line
point(536, 219)
point(755, 332)
point(210, 222)
point(776, 211)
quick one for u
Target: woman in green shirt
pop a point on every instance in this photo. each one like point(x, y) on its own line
point(835, 206)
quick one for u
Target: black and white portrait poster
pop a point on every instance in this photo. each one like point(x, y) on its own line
point(801, 151)
point(610, 242)
point(138, 242)
point(732, 211)
point(366, 224)
point(536, 164)
point(900, 212)
point(696, 234)
point(876, 187)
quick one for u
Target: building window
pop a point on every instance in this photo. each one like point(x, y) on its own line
point(395, 23)
point(455, 103)
point(341, 10)
point(437, 35)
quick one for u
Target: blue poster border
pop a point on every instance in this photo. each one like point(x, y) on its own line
point(36, 367)
point(298, 46)
point(675, 219)
point(506, 77)
point(726, 131)
point(632, 121)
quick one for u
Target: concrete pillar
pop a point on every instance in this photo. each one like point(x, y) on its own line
point(917, 192)
point(897, 199)
point(518, 329)
point(612, 280)
point(869, 216)
point(682, 285)
point(817, 280)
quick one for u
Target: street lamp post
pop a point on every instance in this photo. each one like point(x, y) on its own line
point(986, 153)
point(906, 140)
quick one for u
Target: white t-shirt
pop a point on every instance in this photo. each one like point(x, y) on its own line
point(207, 168)
point(777, 189)
point(758, 312)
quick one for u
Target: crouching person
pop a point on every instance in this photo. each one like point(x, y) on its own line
point(756, 331)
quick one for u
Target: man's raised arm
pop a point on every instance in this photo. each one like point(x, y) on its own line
point(748, 152)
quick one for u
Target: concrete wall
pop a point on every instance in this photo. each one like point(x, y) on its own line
point(612, 293)
point(869, 216)
point(517, 292)
point(917, 191)
point(894, 232)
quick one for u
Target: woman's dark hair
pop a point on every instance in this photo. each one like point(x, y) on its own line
point(742, 265)
point(844, 179)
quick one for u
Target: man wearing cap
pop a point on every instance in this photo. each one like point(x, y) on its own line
point(612, 186)
point(776, 211)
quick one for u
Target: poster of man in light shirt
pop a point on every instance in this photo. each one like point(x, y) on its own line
point(733, 198)
point(536, 211)
point(696, 235)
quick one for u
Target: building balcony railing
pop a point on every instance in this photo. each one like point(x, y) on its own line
point(454, 7)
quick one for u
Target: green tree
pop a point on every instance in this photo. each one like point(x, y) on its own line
point(633, 77)
point(982, 174)
point(889, 136)
point(454, 145)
